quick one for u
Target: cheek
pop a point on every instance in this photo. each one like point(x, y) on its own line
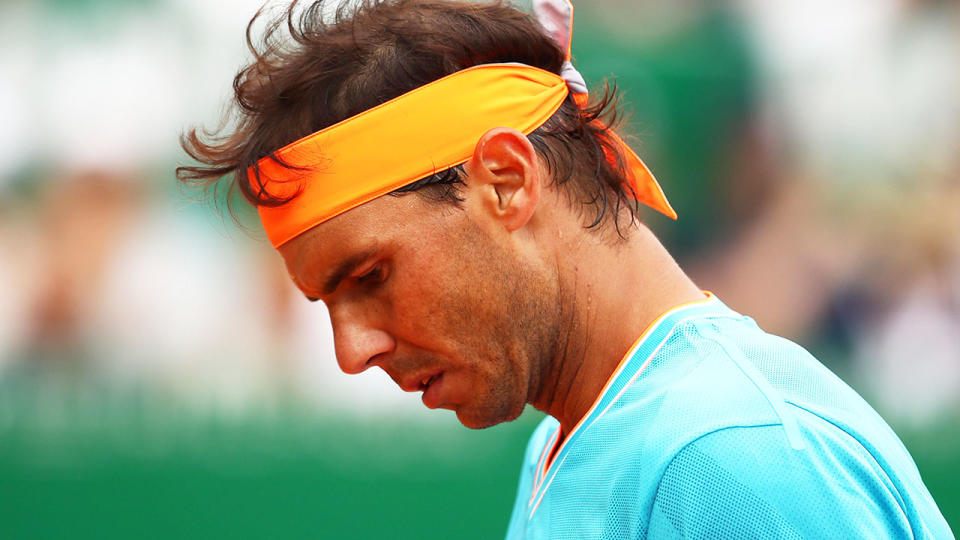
point(429, 307)
point(439, 305)
point(448, 287)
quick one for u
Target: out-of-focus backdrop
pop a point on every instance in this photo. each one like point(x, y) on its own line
point(160, 378)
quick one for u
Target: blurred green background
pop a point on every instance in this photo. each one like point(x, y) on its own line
point(160, 378)
point(92, 463)
point(95, 464)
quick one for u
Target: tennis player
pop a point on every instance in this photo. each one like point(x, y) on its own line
point(435, 172)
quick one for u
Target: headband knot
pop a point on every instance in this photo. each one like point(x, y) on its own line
point(574, 79)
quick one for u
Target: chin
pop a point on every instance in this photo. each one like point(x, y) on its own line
point(474, 423)
point(481, 421)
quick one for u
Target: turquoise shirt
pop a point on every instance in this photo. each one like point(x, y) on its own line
point(712, 428)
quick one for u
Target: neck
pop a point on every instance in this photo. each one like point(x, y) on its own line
point(609, 294)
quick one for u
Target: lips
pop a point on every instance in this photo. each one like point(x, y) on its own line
point(427, 381)
point(431, 392)
point(421, 382)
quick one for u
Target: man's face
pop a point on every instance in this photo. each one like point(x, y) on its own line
point(440, 300)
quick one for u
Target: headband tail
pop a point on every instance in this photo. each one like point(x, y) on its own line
point(556, 18)
point(645, 186)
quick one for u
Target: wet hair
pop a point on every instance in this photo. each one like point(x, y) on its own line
point(313, 68)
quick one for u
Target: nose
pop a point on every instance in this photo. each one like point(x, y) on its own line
point(358, 341)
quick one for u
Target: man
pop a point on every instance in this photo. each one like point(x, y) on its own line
point(517, 271)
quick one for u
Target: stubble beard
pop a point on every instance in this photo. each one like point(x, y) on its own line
point(522, 338)
point(564, 350)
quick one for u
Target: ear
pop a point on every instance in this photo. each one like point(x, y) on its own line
point(504, 175)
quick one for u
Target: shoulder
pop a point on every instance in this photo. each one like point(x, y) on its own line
point(749, 482)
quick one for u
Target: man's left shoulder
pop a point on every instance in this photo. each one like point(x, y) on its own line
point(742, 482)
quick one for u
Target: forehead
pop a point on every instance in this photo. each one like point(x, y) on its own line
point(348, 231)
point(383, 224)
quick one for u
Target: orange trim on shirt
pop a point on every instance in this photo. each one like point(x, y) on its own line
point(616, 372)
point(545, 456)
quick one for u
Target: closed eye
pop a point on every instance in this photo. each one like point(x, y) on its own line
point(373, 277)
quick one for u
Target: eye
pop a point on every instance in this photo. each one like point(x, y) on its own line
point(374, 276)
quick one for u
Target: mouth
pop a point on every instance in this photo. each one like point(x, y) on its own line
point(427, 381)
point(422, 383)
point(432, 389)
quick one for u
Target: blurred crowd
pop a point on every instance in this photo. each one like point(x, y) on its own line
point(811, 147)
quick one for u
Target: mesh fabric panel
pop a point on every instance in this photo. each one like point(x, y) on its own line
point(715, 429)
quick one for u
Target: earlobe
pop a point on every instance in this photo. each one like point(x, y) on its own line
point(505, 172)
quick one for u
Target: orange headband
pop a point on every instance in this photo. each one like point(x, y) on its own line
point(427, 130)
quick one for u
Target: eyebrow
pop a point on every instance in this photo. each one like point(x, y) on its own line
point(342, 270)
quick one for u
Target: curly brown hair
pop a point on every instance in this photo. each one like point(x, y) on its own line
point(312, 69)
